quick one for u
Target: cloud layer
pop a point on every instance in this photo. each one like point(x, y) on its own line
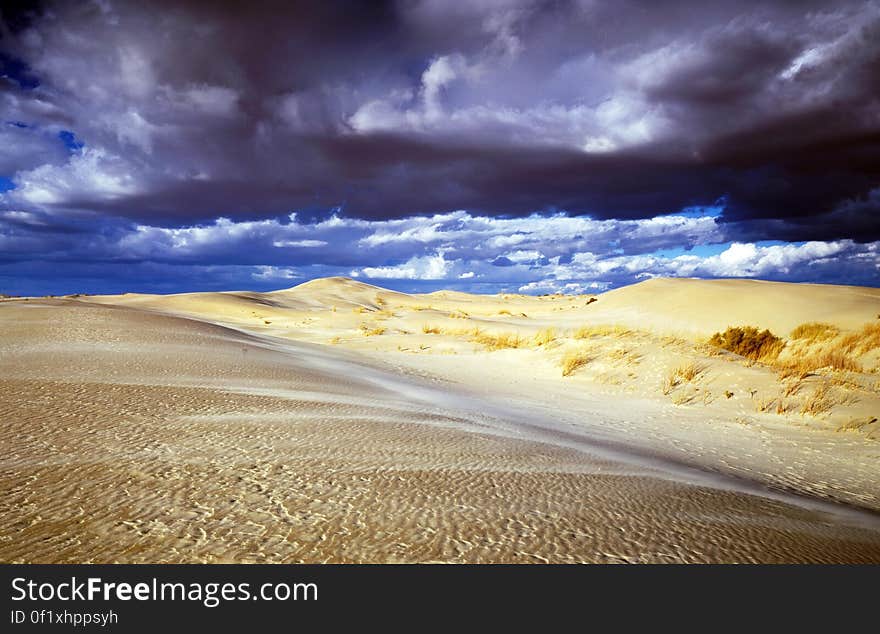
point(533, 254)
point(184, 134)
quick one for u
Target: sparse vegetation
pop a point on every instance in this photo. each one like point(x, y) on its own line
point(819, 402)
point(544, 337)
point(764, 404)
point(499, 341)
point(749, 342)
point(686, 397)
point(790, 388)
point(459, 314)
point(864, 340)
point(430, 330)
point(783, 406)
point(574, 360)
point(627, 356)
point(689, 371)
point(857, 424)
point(370, 331)
point(814, 331)
point(686, 373)
point(802, 366)
point(603, 330)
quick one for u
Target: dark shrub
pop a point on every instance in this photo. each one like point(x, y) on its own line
point(749, 342)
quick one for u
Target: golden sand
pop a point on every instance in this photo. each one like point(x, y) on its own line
point(240, 433)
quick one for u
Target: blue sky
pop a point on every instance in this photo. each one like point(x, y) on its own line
point(511, 145)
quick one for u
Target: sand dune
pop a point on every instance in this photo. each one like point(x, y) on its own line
point(338, 421)
point(705, 306)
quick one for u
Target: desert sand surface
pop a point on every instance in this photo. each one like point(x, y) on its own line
point(341, 422)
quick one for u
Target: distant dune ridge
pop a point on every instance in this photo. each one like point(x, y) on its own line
point(705, 306)
point(341, 421)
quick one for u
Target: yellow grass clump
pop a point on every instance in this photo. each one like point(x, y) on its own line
point(370, 331)
point(499, 341)
point(749, 342)
point(430, 330)
point(459, 314)
point(686, 373)
point(548, 335)
point(814, 331)
point(574, 360)
point(802, 366)
point(864, 340)
point(819, 402)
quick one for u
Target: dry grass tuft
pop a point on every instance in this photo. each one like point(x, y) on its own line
point(783, 407)
point(834, 359)
point(790, 388)
point(430, 330)
point(814, 331)
point(857, 424)
point(749, 342)
point(548, 335)
point(627, 356)
point(690, 371)
point(846, 380)
point(680, 375)
point(864, 340)
point(459, 314)
point(819, 402)
point(686, 397)
point(499, 341)
point(764, 404)
point(370, 331)
point(603, 330)
point(574, 360)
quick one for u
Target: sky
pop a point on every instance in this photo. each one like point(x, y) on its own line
point(487, 146)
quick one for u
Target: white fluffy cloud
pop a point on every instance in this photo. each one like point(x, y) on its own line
point(457, 250)
point(426, 267)
point(90, 171)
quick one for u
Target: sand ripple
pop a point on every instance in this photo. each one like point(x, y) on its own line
point(130, 437)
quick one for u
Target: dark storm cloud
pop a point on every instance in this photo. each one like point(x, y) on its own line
point(613, 109)
point(623, 111)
